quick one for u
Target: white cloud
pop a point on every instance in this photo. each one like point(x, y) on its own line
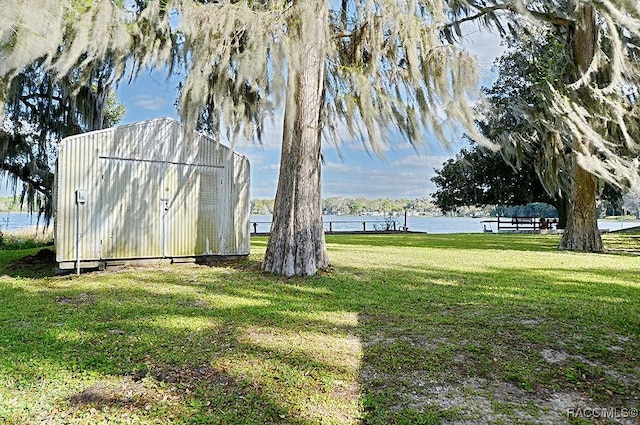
point(406, 177)
point(256, 159)
point(272, 134)
point(419, 161)
point(409, 177)
point(272, 167)
point(151, 103)
point(263, 189)
point(341, 167)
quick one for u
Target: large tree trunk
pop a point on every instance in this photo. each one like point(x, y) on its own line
point(562, 206)
point(581, 233)
point(296, 245)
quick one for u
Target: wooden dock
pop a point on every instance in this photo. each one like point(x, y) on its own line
point(262, 228)
point(519, 225)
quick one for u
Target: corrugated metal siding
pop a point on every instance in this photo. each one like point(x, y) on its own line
point(242, 204)
point(151, 192)
point(131, 208)
point(78, 170)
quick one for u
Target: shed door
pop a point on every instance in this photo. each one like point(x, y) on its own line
point(191, 192)
point(132, 208)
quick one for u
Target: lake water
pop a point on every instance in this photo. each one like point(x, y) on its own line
point(17, 221)
point(417, 224)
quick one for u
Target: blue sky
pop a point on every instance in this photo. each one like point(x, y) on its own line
point(402, 173)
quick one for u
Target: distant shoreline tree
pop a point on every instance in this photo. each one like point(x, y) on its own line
point(338, 205)
point(480, 177)
point(587, 114)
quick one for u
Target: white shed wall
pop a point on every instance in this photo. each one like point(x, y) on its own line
point(150, 193)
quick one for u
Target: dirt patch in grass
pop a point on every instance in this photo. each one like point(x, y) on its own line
point(482, 401)
point(486, 402)
point(126, 393)
point(45, 255)
point(158, 389)
point(346, 391)
point(42, 263)
point(447, 377)
point(77, 300)
point(554, 356)
point(191, 377)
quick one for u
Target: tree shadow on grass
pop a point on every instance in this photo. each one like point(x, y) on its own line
point(411, 345)
point(170, 346)
point(216, 396)
point(39, 263)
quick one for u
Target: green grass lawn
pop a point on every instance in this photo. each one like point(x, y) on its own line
point(402, 329)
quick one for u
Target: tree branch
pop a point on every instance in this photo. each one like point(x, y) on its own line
point(16, 172)
point(510, 7)
point(483, 11)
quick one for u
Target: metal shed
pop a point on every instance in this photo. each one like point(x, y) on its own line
point(148, 191)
